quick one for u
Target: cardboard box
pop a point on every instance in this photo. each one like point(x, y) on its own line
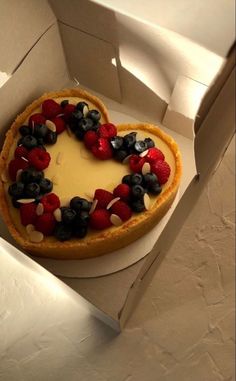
point(142, 71)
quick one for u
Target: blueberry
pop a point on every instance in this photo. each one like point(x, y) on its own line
point(30, 175)
point(155, 189)
point(79, 204)
point(29, 141)
point(136, 179)
point(64, 103)
point(140, 146)
point(77, 115)
point(45, 186)
point(85, 123)
point(32, 190)
point(94, 115)
point(40, 130)
point(120, 155)
point(116, 142)
point(127, 179)
point(130, 139)
point(150, 143)
point(80, 232)
point(137, 191)
point(16, 190)
point(68, 215)
point(150, 179)
point(40, 141)
point(81, 220)
point(51, 137)
point(83, 107)
point(62, 232)
point(25, 130)
point(137, 206)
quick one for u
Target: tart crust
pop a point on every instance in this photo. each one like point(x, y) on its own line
point(105, 241)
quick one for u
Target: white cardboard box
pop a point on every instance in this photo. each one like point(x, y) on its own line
point(142, 71)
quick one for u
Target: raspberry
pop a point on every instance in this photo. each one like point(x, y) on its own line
point(67, 111)
point(15, 165)
point(39, 158)
point(154, 154)
point(59, 123)
point(45, 223)
point(122, 191)
point(36, 119)
point(21, 151)
point(103, 197)
point(50, 202)
point(162, 170)
point(102, 149)
point(50, 108)
point(136, 163)
point(28, 213)
point(100, 219)
point(121, 209)
point(90, 138)
point(107, 130)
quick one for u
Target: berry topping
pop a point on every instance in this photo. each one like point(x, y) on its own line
point(45, 186)
point(140, 146)
point(16, 190)
point(138, 206)
point(32, 190)
point(94, 115)
point(122, 191)
point(126, 179)
point(45, 223)
point(80, 231)
point(28, 213)
point(136, 163)
point(137, 192)
point(60, 124)
point(21, 151)
point(36, 119)
point(150, 143)
point(150, 179)
point(25, 130)
point(81, 220)
point(50, 202)
point(90, 138)
point(103, 197)
point(40, 131)
point(62, 232)
point(80, 204)
point(15, 165)
point(50, 109)
point(162, 170)
point(121, 209)
point(30, 175)
point(100, 219)
point(67, 111)
point(136, 179)
point(102, 149)
point(68, 215)
point(120, 154)
point(116, 142)
point(154, 154)
point(29, 141)
point(51, 137)
point(107, 130)
point(130, 139)
point(82, 107)
point(83, 125)
point(155, 189)
point(39, 158)
point(64, 103)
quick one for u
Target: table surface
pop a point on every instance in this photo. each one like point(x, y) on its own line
point(183, 328)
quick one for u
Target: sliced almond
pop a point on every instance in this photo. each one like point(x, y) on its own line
point(116, 220)
point(146, 168)
point(112, 202)
point(4, 176)
point(126, 159)
point(39, 209)
point(85, 111)
point(144, 153)
point(26, 200)
point(59, 115)
point(57, 214)
point(18, 174)
point(30, 228)
point(147, 201)
point(59, 158)
point(50, 125)
point(24, 158)
point(93, 206)
point(55, 179)
point(36, 236)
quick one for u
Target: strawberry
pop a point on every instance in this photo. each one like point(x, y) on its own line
point(103, 197)
point(39, 158)
point(162, 170)
point(136, 163)
point(121, 209)
point(15, 165)
point(50, 202)
point(21, 151)
point(100, 219)
point(67, 111)
point(107, 130)
point(45, 223)
point(36, 119)
point(59, 123)
point(123, 191)
point(90, 139)
point(28, 213)
point(50, 108)
point(102, 149)
point(154, 154)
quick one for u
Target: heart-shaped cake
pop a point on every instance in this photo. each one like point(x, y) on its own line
point(74, 185)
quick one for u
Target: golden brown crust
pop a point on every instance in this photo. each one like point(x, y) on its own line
point(105, 241)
